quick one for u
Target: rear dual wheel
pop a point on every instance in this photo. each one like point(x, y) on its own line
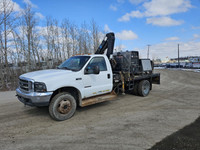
point(62, 106)
point(144, 88)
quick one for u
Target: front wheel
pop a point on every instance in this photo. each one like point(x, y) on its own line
point(62, 106)
point(144, 88)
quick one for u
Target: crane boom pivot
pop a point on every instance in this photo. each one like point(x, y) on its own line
point(107, 43)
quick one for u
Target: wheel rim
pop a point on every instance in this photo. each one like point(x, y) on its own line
point(64, 106)
point(146, 87)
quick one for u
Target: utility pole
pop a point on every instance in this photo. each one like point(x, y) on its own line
point(148, 51)
point(178, 57)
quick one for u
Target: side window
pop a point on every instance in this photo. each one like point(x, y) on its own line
point(98, 61)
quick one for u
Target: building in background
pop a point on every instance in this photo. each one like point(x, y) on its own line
point(195, 60)
point(186, 62)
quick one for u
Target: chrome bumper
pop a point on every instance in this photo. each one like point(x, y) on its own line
point(34, 98)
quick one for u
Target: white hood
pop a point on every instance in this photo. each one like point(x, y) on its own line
point(55, 78)
point(44, 75)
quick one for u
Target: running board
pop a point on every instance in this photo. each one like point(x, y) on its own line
point(98, 99)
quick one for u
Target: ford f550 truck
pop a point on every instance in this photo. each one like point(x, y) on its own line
point(87, 79)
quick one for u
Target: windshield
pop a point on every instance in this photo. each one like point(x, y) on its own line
point(75, 63)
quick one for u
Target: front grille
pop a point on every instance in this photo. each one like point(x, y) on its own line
point(24, 84)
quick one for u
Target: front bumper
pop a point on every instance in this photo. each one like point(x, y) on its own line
point(34, 98)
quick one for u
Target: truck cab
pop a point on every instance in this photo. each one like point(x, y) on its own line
point(81, 76)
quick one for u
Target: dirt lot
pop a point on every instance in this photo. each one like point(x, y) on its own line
point(129, 122)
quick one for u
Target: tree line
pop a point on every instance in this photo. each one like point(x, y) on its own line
point(26, 45)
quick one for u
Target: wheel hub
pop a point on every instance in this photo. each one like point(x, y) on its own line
point(146, 88)
point(64, 106)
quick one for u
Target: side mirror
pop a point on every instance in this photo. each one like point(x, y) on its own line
point(96, 70)
point(92, 70)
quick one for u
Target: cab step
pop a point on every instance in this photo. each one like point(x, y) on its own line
point(98, 99)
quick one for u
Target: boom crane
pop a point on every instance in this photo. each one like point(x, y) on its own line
point(107, 43)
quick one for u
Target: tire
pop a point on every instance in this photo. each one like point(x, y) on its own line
point(144, 88)
point(135, 90)
point(62, 106)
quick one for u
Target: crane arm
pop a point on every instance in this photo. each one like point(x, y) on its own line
point(107, 43)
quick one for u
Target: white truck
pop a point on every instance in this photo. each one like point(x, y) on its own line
point(87, 79)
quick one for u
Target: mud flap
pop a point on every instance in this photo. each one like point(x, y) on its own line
point(156, 78)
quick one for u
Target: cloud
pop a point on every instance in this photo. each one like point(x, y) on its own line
point(106, 28)
point(16, 7)
point(39, 15)
point(30, 3)
point(10, 3)
point(133, 14)
point(166, 7)
point(112, 7)
point(195, 27)
point(196, 36)
point(119, 48)
point(158, 9)
point(174, 38)
point(123, 35)
point(136, 2)
point(164, 21)
point(120, 1)
point(126, 35)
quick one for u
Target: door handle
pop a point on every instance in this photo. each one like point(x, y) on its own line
point(108, 75)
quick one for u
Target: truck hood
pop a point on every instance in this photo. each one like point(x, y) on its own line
point(46, 75)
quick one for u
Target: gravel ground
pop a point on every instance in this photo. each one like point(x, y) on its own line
point(187, 138)
point(128, 122)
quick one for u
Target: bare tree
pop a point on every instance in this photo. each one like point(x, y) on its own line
point(57, 43)
point(47, 37)
point(29, 23)
point(35, 44)
point(73, 33)
point(2, 83)
point(6, 25)
point(19, 42)
point(84, 39)
point(66, 45)
point(53, 40)
point(95, 35)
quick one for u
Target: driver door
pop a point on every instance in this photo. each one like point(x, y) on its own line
point(97, 84)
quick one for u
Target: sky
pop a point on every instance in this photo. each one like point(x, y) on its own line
point(162, 24)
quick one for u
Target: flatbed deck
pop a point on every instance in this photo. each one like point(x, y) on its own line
point(155, 77)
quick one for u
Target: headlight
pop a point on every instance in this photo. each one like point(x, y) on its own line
point(39, 87)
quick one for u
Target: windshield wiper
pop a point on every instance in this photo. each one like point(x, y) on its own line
point(66, 68)
point(63, 68)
